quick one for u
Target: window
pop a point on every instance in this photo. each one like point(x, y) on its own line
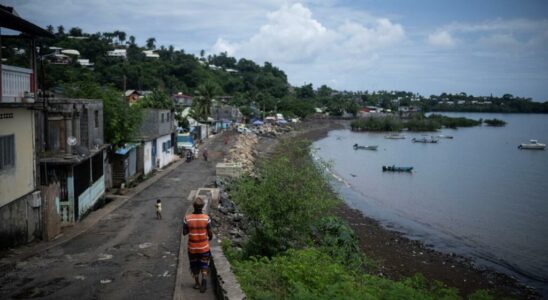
point(167, 117)
point(7, 152)
point(162, 117)
point(96, 118)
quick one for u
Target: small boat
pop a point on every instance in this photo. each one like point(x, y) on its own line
point(373, 147)
point(394, 137)
point(532, 145)
point(396, 169)
point(424, 140)
point(442, 136)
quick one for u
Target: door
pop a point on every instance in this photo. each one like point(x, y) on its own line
point(154, 154)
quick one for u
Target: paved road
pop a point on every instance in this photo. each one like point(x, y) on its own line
point(128, 254)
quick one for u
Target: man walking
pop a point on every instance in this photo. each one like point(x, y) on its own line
point(198, 227)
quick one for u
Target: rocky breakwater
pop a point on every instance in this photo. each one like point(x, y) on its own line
point(229, 222)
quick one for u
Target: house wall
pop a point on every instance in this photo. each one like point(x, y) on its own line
point(147, 158)
point(164, 157)
point(19, 180)
point(152, 124)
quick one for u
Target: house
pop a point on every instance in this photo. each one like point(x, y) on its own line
point(122, 53)
point(20, 196)
point(132, 96)
point(182, 100)
point(84, 62)
point(74, 155)
point(157, 136)
point(224, 115)
point(151, 54)
point(407, 112)
point(152, 148)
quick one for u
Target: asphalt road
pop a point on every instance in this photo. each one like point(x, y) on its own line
point(128, 254)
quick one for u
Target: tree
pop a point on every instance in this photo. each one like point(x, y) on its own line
point(158, 99)
point(151, 43)
point(305, 92)
point(202, 53)
point(50, 29)
point(75, 31)
point(203, 100)
point(60, 30)
point(131, 40)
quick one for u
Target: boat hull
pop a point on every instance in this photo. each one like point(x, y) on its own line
point(531, 147)
point(396, 169)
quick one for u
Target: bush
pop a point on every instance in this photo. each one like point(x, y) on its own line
point(312, 274)
point(494, 122)
point(454, 122)
point(285, 202)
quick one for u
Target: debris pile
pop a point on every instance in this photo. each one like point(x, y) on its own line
point(244, 152)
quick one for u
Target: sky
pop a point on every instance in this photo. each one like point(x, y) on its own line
point(479, 47)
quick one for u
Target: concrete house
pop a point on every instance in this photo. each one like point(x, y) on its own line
point(20, 197)
point(182, 100)
point(74, 155)
point(157, 137)
point(225, 115)
point(152, 148)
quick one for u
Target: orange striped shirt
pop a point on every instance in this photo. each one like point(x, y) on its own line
point(197, 225)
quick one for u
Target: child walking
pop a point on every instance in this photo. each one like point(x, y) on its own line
point(159, 209)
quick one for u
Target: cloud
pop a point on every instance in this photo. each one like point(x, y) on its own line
point(498, 34)
point(291, 35)
point(356, 38)
point(441, 38)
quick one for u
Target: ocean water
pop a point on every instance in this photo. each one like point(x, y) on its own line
point(476, 195)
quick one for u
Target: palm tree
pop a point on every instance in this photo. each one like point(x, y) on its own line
point(203, 99)
point(151, 43)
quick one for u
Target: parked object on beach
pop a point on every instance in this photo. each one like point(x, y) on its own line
point(532, 145)
point(394, 137)
point(442, 136)
point(424, 141)
point(358, 147)
point(396, 169)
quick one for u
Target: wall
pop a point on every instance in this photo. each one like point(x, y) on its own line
point(89, 197)
point(152, 125)
point(164, 157)
point(19, 180)
point(147, 158)
point(19, 222)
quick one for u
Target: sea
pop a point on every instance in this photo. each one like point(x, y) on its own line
point(476, 195)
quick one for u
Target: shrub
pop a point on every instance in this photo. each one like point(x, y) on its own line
point(285, 202)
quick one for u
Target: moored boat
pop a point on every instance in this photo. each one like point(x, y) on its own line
point(372, 147)
point(442, 136)
point(394, 137)
point(396, 169)
point(424, 140)
point(532, 145)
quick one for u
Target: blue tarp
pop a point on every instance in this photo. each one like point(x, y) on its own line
point(126, 149)
point(258, 122)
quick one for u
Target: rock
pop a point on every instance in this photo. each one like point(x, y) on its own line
point(237, 217)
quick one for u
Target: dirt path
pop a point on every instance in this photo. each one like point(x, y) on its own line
point(128, 254)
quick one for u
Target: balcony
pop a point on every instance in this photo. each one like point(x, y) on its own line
point(16, 84)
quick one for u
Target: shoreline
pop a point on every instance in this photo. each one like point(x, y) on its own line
point(401, 257)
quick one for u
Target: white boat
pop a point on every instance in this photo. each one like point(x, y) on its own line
point(394, 137)
point(532, 145)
